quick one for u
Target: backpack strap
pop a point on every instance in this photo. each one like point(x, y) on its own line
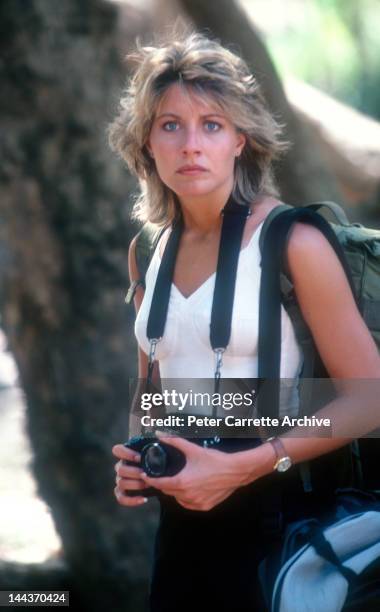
point(335, 208)
point(322, 546)
point(277, 231)
point(269, 219)
point(273, 240)
point(146, 242)
point(304, 335)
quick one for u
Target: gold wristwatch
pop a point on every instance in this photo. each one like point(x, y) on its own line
point(283, 461)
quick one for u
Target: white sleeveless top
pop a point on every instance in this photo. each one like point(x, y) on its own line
point(185, 352)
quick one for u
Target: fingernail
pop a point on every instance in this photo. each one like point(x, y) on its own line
point(137, 457)
point(145, 500)
point(159, 433)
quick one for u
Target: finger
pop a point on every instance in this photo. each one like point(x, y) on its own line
point(169, 483)
point(125, 500)
point(122, 452)
point(127, 471)
point(186, 504)
point(127, 484)
point(191, 505)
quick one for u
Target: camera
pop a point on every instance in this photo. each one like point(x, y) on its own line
point(157, 459)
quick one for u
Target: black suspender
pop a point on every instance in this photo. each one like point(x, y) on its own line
point(234, 219)
point(161, 294)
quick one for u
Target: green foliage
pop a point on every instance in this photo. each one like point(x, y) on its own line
point(334, 45)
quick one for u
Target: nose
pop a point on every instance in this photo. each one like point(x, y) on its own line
point(191, 142)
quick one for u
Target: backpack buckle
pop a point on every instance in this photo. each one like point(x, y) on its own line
point(132, 290)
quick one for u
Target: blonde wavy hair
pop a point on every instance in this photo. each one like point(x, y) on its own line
point(210, 70)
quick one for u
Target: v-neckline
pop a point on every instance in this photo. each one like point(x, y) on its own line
point(209, 278)
point(196, 291)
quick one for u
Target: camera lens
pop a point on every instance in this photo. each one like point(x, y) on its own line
point(154, 459)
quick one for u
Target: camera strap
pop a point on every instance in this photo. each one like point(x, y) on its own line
point(234, 219)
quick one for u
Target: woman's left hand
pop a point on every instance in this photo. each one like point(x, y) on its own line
point(209, 476)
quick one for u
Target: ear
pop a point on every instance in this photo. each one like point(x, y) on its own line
point(148, 148)
point(240, 142)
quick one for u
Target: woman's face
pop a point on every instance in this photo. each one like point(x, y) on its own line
point(194, 145)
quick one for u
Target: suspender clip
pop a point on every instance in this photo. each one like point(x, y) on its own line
point(219, 361)
point(152, 352)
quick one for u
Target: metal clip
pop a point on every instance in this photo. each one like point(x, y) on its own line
point(152, 352)
point(219, 361)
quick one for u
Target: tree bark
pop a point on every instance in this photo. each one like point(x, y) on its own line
point(64, 238)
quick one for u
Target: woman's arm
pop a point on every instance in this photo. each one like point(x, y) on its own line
point(345, 345)
point(128, 478)
point(142, 369)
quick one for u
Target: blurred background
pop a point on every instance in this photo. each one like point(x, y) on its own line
point(66, 344)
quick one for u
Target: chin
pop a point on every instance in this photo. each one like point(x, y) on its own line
point(193, 189)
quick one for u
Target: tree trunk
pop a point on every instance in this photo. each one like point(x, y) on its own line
point(63, 269)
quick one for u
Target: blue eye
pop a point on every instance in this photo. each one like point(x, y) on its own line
point(214, 126)
point(168, 126)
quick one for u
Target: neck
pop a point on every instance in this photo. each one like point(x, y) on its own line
point(201, 214)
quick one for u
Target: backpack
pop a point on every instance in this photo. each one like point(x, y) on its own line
point(327, 563)
point(146, 242)
point(361, 252)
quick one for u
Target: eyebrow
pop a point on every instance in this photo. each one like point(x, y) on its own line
point(179, 117)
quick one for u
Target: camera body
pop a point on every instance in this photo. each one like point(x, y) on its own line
point(157, 459)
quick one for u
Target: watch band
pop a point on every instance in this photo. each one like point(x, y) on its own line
point(283, 461)
point(278, 446)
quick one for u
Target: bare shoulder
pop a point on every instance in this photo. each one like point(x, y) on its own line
point(309, 250)
point(305, 236)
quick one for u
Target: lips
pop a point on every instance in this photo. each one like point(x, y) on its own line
point(191, 169)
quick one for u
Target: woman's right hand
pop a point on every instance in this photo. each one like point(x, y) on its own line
point(128, 477)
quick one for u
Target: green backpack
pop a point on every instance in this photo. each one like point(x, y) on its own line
point(361, 247)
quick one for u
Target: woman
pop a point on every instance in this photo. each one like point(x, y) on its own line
point(195, 130)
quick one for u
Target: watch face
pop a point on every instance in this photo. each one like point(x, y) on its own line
point(284, 464)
